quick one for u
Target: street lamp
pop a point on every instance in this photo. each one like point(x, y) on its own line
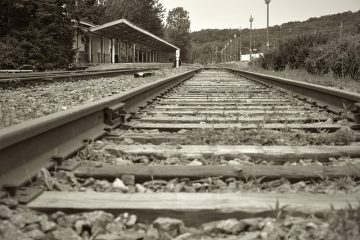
point(251, 19)
point(235, 47)
point(230, 53)
point(226, 52)
point(240, 45)
point(267, 26)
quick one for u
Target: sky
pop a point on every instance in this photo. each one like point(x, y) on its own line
point(221, 14)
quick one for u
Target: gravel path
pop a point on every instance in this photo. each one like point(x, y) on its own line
point(25, 103)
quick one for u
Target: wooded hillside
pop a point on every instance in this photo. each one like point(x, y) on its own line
point(205, 41)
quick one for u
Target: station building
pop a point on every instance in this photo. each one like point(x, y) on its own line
point(120, 41)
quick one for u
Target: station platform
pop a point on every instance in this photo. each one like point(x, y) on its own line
point(106, 66)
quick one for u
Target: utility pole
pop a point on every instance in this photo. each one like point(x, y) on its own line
point(235, 48)
point(251, 20)
point(240, 45)
point(230, 53)
point(267, 25)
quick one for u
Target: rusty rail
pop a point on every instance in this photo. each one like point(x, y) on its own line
point(32, 145)
point(334, 100)
point(65, 76)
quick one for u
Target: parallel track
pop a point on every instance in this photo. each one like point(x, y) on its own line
point(21, 79)
point(154, 136)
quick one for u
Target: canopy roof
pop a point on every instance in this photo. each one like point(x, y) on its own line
point(125, 30)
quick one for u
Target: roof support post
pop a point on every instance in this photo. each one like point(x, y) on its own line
point(113, 50)
point(90, 49)
point(119, 50)
point(77, 47)
point(101, 49)
point(142, 55)
point(127, 51)
point(134, 53)
point(177, 55)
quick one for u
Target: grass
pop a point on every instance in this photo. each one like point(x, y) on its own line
point(302, 75)
point(236, 136)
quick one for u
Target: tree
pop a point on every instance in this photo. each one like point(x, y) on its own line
point(147, 14)
point(178, 31)
point(88, 10)
point(37, 33)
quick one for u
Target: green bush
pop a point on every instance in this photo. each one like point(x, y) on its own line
point(291, 53)
point(317, 55)
point(341, 57)
point(37, 33)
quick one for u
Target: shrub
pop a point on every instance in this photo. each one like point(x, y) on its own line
point(341, 57)
point(291, 53)
point(317, 55)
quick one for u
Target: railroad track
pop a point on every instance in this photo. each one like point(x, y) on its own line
point(21, 79)
point(188, 147)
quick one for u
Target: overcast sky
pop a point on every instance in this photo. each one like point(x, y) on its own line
point(210, 14)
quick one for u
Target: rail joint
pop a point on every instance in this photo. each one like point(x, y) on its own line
point(114, 114)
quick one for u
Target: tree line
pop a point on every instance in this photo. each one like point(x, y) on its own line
point(205, 42)
point(41, 32)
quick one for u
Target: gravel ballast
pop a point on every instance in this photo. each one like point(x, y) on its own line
point(17, 222)
point(26, 103)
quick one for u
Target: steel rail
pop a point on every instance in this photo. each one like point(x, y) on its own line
point(30, 146)
point(4, 75)
point(66, 76)
point(334, 100)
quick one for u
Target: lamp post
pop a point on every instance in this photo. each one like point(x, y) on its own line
point(230, 53)
point(267, 25)
point(251, 19)
point(240, 45)
point(235, 48)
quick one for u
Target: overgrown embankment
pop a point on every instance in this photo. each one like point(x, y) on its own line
point(317, 55)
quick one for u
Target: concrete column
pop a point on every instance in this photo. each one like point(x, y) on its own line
point(143, 54)
point(134, 53)
point(177, 55)
point(101, 49)
point(90, 49)
point(127, 51)
point(119, 50)
point(113, 50)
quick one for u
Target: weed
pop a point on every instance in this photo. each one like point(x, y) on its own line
point(261, 136)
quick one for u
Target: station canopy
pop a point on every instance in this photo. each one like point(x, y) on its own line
point(125, 30)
